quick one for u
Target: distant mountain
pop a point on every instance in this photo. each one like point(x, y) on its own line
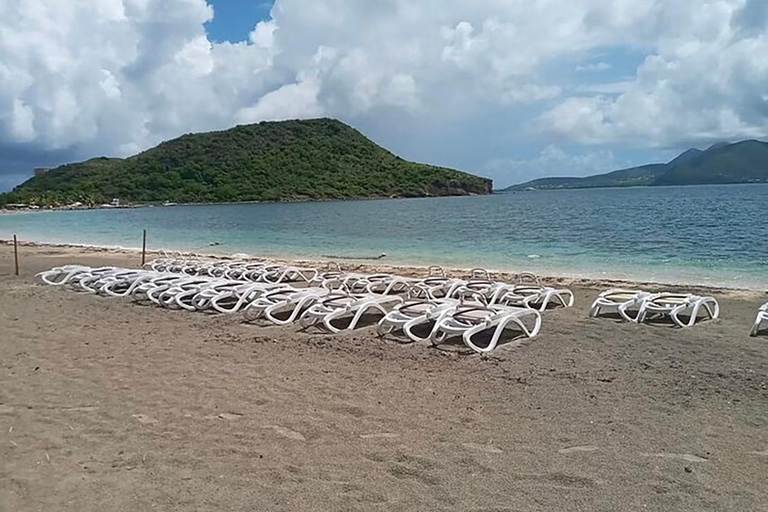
point(742, 162)
point(269, 161)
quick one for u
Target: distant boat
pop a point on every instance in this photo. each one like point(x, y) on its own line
point(168, 203)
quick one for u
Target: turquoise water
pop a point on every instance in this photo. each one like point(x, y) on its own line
point(715, 235)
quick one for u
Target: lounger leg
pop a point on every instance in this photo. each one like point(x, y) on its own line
point(545, 301)
point(408, 328)
point(684, 307)
point(467, 337)
point(714, 309)
point(437, 336)
point(330, 318)
point(756, 327)
point(309, 318)
point(385, 327)
point(622, 309)
point(362, 311)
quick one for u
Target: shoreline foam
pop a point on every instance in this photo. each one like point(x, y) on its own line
point(405, 269)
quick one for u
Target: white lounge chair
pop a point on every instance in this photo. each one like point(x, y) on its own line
point(539, 297)
point(625, 303)
point(340, 305)
point(277, 302)
point(166, 294)
point(413, 313)
point(675, 304)
point(469, 321)
point(289, 275)
point(59, 276)
point(234, 299)
point(762, 317)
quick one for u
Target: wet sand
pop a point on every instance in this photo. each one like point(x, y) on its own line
point(105, 404)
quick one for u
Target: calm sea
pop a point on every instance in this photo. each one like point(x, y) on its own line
point(715, 235)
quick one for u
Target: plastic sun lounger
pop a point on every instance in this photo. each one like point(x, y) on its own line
point(412, 286)
point(200, 298)
point(291, 301)
point(74, 274)
point(469, 321)
point(413, 313)
point(762, 316)
point(91, 280)
point(620, 301)
point(58, 276)
point(488, 293)
point(676, 304)
point(141, 292)
point(233, 300)
point(393, 285)
point(124, 287)
point(359, 283)
point(290, 275)
point(98, 283)
point(432, 288)
point(539, 297)
point(165, 296)
point(337, 306)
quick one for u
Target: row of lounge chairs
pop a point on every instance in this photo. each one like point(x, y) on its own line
point(478, 309)
point(434, 308)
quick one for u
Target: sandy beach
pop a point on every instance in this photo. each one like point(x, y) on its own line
point(105, 404)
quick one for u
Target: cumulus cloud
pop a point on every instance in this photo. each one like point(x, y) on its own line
point(594, 66)
point(117, 76)
point(706, 80)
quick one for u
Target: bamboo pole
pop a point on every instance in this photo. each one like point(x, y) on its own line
point(16, 253)
point(144, 248)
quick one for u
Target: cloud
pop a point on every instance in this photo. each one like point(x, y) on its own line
point(117, 76)
point(289, 101)
point(705, 80)
point(594, 66)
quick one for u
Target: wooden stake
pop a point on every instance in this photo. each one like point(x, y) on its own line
point(144, 248)
point(16, 253)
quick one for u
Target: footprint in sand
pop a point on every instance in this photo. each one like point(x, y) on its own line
point(383, 435)
point(575, 449)
point(687, 457)
point(289, 434)
point(143, 418)
point(486, 448)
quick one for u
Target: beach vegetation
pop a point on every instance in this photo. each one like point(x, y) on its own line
point(269, 161)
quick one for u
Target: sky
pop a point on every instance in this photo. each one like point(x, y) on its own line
point(509, 89)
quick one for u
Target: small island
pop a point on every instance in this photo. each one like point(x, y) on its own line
point(741, 162)
point(298, 160)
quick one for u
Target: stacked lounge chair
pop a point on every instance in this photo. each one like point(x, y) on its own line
point(762, 318)
point(638, 306)
point(332, 299)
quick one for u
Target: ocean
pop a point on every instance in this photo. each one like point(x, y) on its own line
point(711, 235)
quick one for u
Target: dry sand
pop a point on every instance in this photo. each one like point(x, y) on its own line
point(105, 404)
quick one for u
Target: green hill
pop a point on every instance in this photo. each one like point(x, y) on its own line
point(270, 161)
point(742, 162)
